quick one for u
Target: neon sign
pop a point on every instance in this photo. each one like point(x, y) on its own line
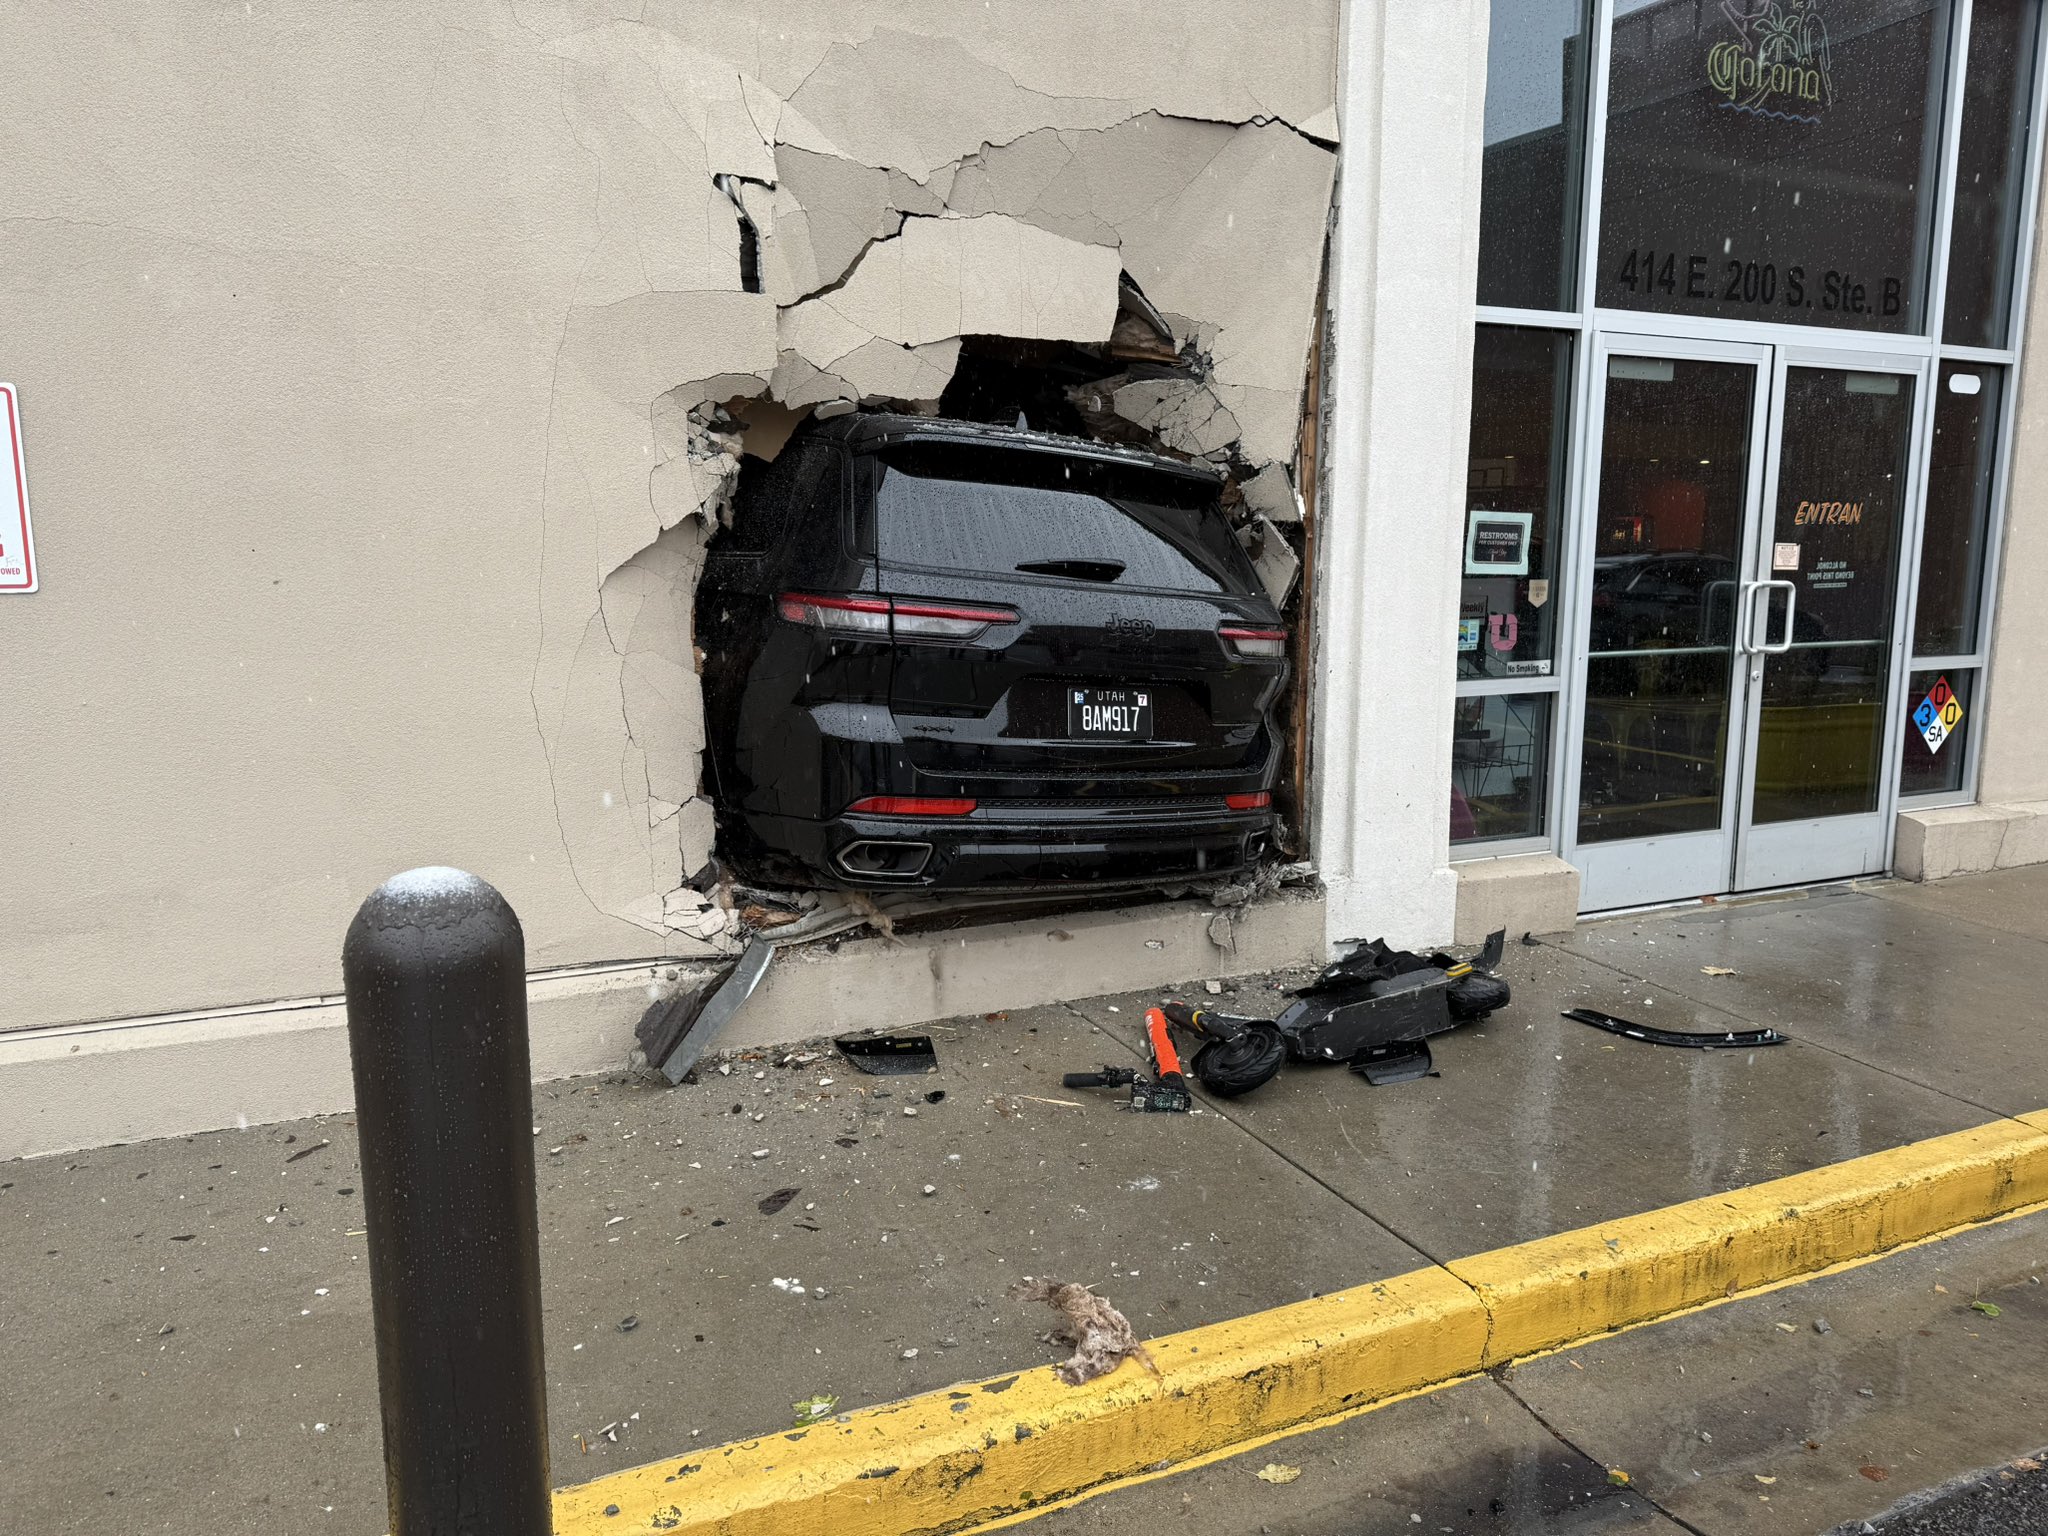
point(1777, 64)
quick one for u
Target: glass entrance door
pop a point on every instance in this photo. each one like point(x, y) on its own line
point(1679, 478)
point(1819, 631)
point(1740, 624)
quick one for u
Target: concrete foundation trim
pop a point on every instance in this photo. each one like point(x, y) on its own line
point(74, 1086)
point(1970, 839)
point(989, 1452)
point(1523, 893)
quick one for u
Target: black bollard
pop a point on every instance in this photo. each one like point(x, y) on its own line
point(435, 970)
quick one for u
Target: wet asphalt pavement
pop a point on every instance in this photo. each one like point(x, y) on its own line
point(2007, 1501)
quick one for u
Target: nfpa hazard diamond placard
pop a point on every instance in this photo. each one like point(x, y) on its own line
point(17, 544)
point(1938, 715)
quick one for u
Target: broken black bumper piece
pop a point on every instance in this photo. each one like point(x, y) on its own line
point(1698, 1040)
point(889, 1055)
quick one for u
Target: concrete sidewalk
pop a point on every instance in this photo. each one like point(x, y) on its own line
point(1911, 1008)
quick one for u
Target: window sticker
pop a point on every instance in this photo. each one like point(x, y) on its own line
point(1938, 715)
point(1497, 543)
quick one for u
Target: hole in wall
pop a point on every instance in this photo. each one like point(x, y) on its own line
point(1141, 390)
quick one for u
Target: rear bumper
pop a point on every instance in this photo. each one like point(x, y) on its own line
point(1012, 845)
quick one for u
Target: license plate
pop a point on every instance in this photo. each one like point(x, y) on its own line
point(1109, 714)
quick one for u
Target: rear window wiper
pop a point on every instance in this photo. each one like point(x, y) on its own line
point(1078, 569)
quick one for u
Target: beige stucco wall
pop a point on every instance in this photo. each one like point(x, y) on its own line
point(2014, 765)
point(357, 349)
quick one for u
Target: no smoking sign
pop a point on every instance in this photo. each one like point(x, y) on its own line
point(17, 545)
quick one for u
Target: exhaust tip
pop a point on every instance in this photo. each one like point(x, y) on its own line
point(876, 858)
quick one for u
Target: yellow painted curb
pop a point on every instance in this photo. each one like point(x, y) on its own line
point(987, 1449)
point(1555, 1290)
point(984, 1451)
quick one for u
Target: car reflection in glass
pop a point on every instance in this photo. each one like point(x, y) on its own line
point(1686, 599)
point(1662, 601)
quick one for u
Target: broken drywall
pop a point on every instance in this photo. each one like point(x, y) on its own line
point(892, 330)
point(819, 210)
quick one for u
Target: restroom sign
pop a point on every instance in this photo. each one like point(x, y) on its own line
point(1938, 715)
point(17, 547)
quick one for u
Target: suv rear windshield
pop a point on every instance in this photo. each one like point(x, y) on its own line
point(996, 511)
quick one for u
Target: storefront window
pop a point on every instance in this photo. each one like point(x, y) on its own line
point(1500, 761)
point(1990, 162)
point(1778, 164)
point(1939, 709)
point(1521, 382)
point(1959, 480)
point(1773, 159)
point(1535, 152)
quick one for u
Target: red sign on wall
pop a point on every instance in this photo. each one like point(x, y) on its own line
point(17, 545)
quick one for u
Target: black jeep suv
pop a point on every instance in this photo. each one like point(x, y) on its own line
point(939, 654)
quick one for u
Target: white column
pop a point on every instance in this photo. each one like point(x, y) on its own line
point(1403, 276)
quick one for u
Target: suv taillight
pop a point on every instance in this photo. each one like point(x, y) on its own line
point(850, 615)
point(1255, 644)
point(911, 805)
point(910, 618)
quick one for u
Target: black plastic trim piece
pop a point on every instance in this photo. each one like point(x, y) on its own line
point(1730, 1040)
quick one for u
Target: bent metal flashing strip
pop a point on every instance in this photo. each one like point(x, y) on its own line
point(990, 1451)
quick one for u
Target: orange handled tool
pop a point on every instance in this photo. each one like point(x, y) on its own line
point(1168, 1090)
point(1165, 1059)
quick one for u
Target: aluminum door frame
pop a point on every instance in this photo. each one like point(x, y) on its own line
point(1638, 871)
point(1829, 847)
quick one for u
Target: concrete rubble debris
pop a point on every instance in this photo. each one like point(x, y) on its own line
point(1272, 557)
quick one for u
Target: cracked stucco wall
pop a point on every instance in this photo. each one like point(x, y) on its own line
point(371, 364)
